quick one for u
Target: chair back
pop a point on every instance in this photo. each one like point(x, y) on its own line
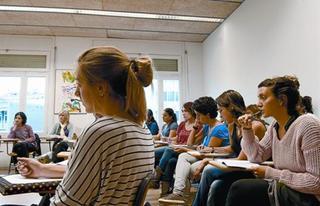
point(38, 148)
point(142, 191)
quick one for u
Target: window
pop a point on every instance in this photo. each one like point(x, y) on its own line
point(9, 101)
point(26, 93)
point(165, 89)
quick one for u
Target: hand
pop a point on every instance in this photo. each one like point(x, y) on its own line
point(245, 121)
point(197, 173)
point(199, 147)
point(28, 167)
point(206, 150)
point(259, 171)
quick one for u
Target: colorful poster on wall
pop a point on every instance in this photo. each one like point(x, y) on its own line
point(65, 98)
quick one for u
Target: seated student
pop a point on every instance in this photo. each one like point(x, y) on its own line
point(65, 130)
point(215, 134)
point(114, 153)
point(168, 131)
point(305, 105)
point(163, 170)
point(24, 133)
point(230, 105)
point(151, 123)
point(293, 142)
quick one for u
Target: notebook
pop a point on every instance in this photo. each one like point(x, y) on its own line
point(16, 184)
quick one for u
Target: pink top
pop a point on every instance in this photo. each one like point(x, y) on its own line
point(296, 156)
point(182, 133)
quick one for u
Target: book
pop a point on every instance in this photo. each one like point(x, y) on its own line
point(16, 184)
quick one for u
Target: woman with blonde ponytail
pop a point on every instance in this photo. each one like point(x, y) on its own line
point(114, 153)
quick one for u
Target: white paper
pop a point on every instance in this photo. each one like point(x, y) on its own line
point(237, 163)
point(18, 179)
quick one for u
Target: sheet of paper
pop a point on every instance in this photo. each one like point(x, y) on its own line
point(237, 163)
point(18, 179)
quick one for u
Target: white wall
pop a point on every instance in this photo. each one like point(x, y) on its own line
point(64, 51)
point(264, 39)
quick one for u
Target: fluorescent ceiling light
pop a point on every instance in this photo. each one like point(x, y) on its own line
point(110, 13)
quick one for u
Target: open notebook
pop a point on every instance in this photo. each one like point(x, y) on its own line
point(16, 184)
point(233, 164)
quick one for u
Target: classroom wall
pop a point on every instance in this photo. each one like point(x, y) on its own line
point(264, 39)
point(64, 51)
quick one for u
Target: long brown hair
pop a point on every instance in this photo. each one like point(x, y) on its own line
point(125, 77)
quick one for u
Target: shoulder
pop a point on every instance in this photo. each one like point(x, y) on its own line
point(182, 124)
point(28, 127)
point(220, 127)
point(173, 125)
point(307, 123)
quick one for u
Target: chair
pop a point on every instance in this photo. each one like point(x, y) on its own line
point(142, 191)
point(36, 152)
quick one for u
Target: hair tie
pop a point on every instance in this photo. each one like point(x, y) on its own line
point(133, 65)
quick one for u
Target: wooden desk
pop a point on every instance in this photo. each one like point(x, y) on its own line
point(7, 141)
point(64, 155)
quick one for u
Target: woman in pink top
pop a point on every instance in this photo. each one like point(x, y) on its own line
point(292, 140)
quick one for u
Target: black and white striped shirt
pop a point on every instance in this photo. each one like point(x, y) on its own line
point(109, 161)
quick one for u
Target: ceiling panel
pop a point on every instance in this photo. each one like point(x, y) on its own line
point(27, 30)
point(97, 33)
point(156, 36)
point(28, 23)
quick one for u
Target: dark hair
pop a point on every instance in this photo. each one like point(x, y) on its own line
point(126, 78)
point(150, 115)
point(206, 105)
point(188, 107)
point(23, 117)
point(307, 104)
point(171, 113)
point(288, 86)
point(233, 101)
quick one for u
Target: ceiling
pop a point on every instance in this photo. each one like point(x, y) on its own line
point(77, 25)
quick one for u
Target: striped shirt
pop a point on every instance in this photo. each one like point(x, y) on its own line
point(109, 161)
point(296, 156)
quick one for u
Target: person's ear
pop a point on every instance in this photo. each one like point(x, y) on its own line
point(102, 89)
point(283, 100)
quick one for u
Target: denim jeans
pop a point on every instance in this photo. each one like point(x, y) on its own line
point(209, 174)
point(215, 184)
point(158, 152)
point(166, 156)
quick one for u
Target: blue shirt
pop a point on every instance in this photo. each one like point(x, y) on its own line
point(220, 131)
point(167, 127)
point(153, 127)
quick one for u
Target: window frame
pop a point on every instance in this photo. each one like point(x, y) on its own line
point(24, 74)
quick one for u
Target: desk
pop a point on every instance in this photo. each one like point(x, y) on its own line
point(53, 138)
point(7, 141)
